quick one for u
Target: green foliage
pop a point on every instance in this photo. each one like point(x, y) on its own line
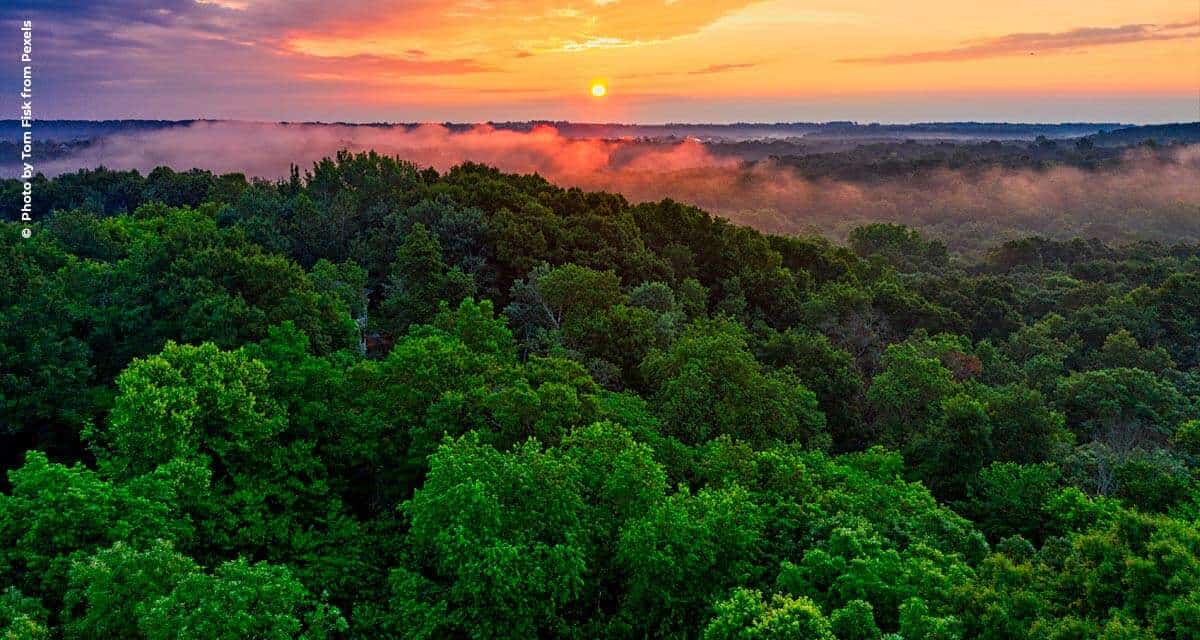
point(477, 326)
point(22, 618)
point(905, 394)
point(504, 535)
point(711, 385)
point(1186, 439)
point(517, 537)
point(744, 616)
point(1118, 403)
point(56, 514)
point(571, 292)
point(830, 373)
point(46, 369)
point(159, 593)
point(917, 622)
point(684, 551)
point(240, 600)
point(112, 589)
point(855, 621)
point(188, 402)
point(952, 450)
point(235, 408)
point(418, 279)
point(899, 246)
point(1010, 499)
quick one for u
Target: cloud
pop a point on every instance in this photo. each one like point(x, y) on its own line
point(229, 58)
point(372, 70)
point(468, 27)
point(1035, 43)
point(720, 68)
point(710, 69)
point(182, 58)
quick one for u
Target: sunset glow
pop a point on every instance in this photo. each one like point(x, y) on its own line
point(599, 90)
point(677, 60)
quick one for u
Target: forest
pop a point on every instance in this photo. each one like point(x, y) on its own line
point(376, 400)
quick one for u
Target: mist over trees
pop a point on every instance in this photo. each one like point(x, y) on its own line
point(376, 400)
point(969, 185)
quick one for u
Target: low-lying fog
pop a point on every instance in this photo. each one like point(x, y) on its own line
point(1144, 197)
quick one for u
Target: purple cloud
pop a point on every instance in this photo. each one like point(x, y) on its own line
point(1035, 43)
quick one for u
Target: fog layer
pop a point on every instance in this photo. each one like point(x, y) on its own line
point(1145, 198)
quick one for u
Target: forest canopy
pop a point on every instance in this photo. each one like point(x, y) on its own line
point(375, 400)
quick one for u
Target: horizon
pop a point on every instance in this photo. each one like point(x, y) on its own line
point(664, 123)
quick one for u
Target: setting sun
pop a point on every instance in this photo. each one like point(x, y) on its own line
point(599, 90)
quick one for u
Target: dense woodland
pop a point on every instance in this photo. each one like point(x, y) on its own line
point(376, 401)
point(911, 159)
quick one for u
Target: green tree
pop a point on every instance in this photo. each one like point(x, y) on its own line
point(951, 450)
point(906, 394)
point(418, 279)
point(56, 515)
point(830, 373)
point(709, 384)
point(1010, 499)
point(110, 590)
point(744, 616)
point(502, 537)
point(680, 555)
point(240, 600)
point(22, 618)
point(855, 621)
point(1124, 408)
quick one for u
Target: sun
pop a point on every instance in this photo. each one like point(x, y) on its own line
point(599, 89)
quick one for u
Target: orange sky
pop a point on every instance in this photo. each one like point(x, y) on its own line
point(726, 48)
point(662, 59)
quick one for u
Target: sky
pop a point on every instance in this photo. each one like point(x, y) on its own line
point(662, 60)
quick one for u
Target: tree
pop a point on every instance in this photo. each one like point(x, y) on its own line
point(47, 376)
point(418, 279)
point(205, 419)
point(709, 384)
point(1025, 428)
point(240, 600)
point(346, 282)
point(905, 394)
point(899, 246)
point(830, 373)
point(22, 618)
point(917, 622)
point(1124, 408)
point(460, 231)
point(109, 592)
point(744, 616)
point(855, 621)
point(684, 552)
point(190, 401)
point(504, 539)
point(951, 450)
point(1121, 349)
point(56, 515)
point(571, 292)
point(1010, 499)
